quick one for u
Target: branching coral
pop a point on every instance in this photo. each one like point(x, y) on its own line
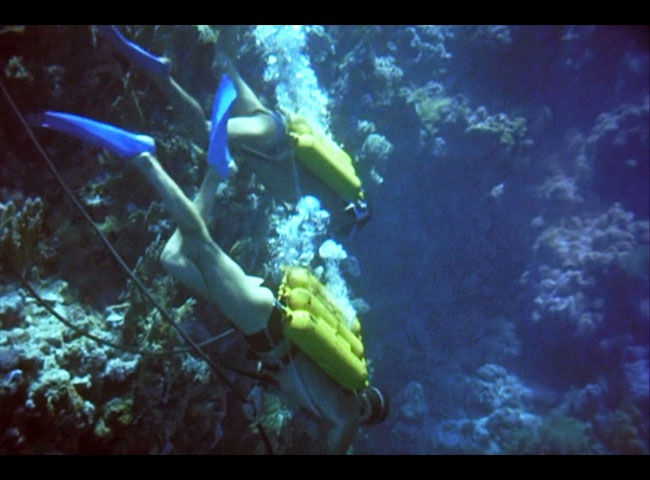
point(453, 116)
point(389, 78)
point(509, 132)
point(275, 419)
point(495, 388)
point(492, 34)
point(20, 233)
point(428, 41)
point(377, 147)
point(434, 108)
point(561, 434)
point(140, 316)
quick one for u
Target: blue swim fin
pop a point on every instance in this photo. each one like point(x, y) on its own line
point(138, 56)
point(218, 152)
point(118, 141)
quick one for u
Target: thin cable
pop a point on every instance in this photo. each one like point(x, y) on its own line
point(26, 285)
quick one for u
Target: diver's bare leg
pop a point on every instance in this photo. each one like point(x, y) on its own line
point(173, 257)
point(247, 102)
point(182, 210)
point(187, 219)
point(203, 265)
point(186, 106)
point(204, 201)
point(178, 265)
point(252, 129)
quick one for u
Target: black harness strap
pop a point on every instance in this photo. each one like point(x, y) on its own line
point(267, 339)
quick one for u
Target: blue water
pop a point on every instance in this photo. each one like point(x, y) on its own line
point(503, 272)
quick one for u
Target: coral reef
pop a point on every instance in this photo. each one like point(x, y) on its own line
point(429, 43)
point(389, 75)
point(409, 439)
point(20, 234)
point(63, 393)
point(586, 402)
point(552, 434)
point(637, 372)
point(506, 260)
point(375, 150)
point(378, 146)
point(497, 412)
point(409, 433)
point(575, 257)
point(446, 117)
point(621, 431)
point(561, 434)
point(495, 388)
point(498, 401)
point(411, 403)
point(618, 147)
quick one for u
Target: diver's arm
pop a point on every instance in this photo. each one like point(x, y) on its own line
point(186, 106)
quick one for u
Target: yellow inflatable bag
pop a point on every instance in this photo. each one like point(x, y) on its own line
point(325, 159)
point(314, 323)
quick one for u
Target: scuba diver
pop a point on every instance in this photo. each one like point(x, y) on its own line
point(269, 144)
point(313, 355)
point(264, 141)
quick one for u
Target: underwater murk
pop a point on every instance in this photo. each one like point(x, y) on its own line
point(501, 279)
